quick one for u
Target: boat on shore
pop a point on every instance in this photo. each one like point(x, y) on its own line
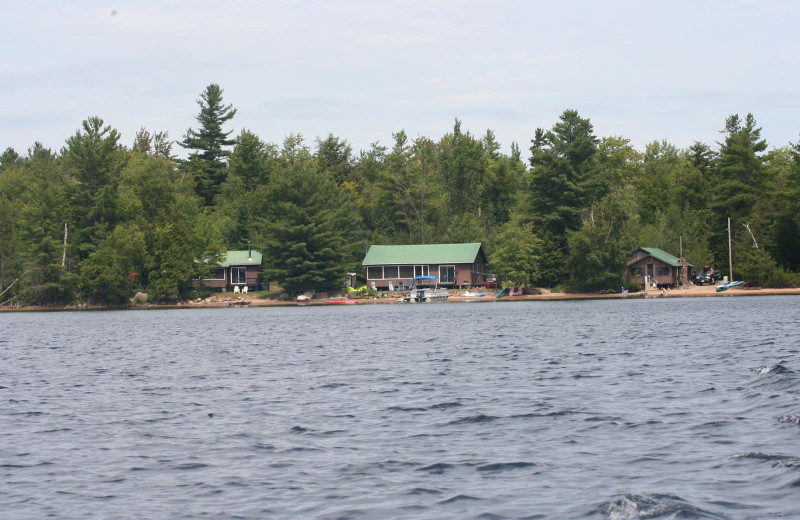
point(726, 286)
point(425, 290)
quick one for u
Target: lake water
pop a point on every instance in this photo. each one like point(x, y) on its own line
point(618, 409)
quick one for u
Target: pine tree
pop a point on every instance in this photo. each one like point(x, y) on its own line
point(208, 163)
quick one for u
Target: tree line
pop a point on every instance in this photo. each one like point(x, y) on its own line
point(98, 220)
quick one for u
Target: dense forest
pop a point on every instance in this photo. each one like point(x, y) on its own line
point(100, 219)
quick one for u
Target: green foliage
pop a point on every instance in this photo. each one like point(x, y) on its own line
point(141, 219)
point(108, 274)
point(462, 167)
point(310, 234)
point(207, 163)
point(517, 255)
point(171, 262)
point(561, 161)
point(598, 252)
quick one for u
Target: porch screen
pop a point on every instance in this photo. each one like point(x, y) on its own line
point(389, 272)
point(375, 272)
point(406, 271)
point(662, 271)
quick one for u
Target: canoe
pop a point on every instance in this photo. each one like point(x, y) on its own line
point(344, 302)
point(501, 293)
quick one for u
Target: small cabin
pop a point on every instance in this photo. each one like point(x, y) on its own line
point(239, 269)
point(453, 265)
point(651, 265)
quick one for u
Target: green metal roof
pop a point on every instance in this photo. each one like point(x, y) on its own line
point(662, 255)
point(423, 254)
point(241, 258)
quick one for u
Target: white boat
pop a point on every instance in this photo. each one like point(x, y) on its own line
point(421, 292)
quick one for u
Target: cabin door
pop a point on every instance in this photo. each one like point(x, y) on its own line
point(650, 270)
point(447, 274)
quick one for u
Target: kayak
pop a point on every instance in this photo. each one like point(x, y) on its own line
point(726, 286)
point(344, 302)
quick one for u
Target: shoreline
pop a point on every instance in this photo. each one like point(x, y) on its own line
point(220, 301)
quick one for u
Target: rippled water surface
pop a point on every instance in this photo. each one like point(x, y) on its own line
point(664, 408)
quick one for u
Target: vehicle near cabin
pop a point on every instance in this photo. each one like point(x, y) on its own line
point(708, 275)
point(490, 281)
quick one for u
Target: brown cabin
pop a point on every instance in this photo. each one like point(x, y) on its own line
point(651, 265)
point(453, 265)
point(238, 269)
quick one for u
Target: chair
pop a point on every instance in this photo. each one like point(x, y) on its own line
point(235, 289)
point(244, 290)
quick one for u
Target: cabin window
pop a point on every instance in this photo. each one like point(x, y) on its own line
point(238, 275)
point(390, 272)
point(447, 274)
point(637, 271)
point(421, 270)
point(375, 272)
point(662, 271)
point(406, 271)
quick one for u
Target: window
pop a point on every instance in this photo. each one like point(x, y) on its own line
point(375, 272)
point(238, 275)
point(637, 271)
point(421, 270)
point(406, 271)
point(390, 271)
point(447, 274)
point(662, 271)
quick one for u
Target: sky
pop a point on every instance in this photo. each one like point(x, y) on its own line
point(363, 70)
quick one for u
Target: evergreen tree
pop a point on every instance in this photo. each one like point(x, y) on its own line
point(334, 157)
point(461, 168)
point(208, 162)
point(742, 180)
point(94, 158)
point(311, 234)
point(9, 159)
point(252, 160)
point(561, 161)
point(560, 186)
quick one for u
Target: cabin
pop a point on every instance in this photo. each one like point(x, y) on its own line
point(239, 269)
point(453, 265)
point(649, 265)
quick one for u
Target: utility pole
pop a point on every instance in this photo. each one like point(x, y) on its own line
point(730, 258)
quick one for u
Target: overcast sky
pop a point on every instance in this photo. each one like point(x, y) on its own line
point(645, 70)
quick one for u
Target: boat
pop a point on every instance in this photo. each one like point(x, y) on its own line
point(501, 293)
point(344, 302)
point(726, 286)
point(472, 294)
point(425, 290)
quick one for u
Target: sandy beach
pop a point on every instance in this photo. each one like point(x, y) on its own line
point(252, 300)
